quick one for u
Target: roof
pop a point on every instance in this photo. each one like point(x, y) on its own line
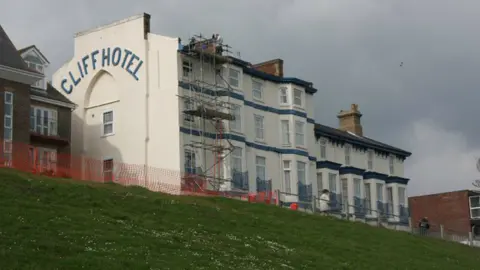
point(9, 56)
point(37, 50)
point(52, 93)
point(470, 192)
point(361, 141)
point(248, 68)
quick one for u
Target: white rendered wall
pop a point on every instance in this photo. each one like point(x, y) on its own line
point(140, 89)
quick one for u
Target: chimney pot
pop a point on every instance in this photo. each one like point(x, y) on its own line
point(350, 120)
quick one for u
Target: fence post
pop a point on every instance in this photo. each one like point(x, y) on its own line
point(470, 238)
point(441, 231)
point(347, 210)
point(379, 222)
point(277, 194)
point(314, 204)
point(410, 224)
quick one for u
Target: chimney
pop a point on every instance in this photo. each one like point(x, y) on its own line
point(146, 25)
point(350, 120)
point(272, 67)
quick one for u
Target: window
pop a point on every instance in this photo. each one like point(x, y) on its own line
point(391, 164)
point(260, 166)
point(401, 196)
point(237, 159)
point(108, 170)
point(287, 177)
point(188, 105)
point(370, 156)
point(319, 183)
point(259, 128)
point(8, 127)
point(45, 159)
point(285, 132)
point(332, 182)
point(283, 95)
point(236, 124)
point(299, 133)
point(368, 198)
point(189, 164)
point(323, 148)
point(390, 200)
point(107, 123)
point(344, 190)
point(475, 207)
point(379, 192)
point(297, 97)
point(234, 78)
point(187, 67)
point(301, 176)
point(357, 183)
point(43, 121)
point(348, 150)
point(257, 90)
point(39, 68)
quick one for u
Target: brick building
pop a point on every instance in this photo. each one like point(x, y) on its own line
point(457, 211)
point(37, 118)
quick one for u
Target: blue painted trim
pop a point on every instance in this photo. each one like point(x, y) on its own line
point(247, 69)
point(242, 139)
point(223, 93)
point(351, 170)
point(397, 180)
point(374, 175)
point(325, 164)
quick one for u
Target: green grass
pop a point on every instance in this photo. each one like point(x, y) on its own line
point(63, 224)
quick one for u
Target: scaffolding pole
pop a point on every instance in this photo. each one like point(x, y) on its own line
point(209, 107)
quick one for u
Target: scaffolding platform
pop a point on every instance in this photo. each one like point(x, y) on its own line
point(208, 49)
point(210, 114)
point(210, 147)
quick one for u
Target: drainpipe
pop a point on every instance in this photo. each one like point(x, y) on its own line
point(147, 107)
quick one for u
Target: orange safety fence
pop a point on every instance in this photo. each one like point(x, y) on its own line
point(43, 161)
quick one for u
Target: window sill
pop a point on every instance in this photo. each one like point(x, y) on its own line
point(261, 141)
point(258, 100)
point(284, 105)
point(237, 132)
point(302, 147)
point(296, 107)
point(107, 135)
point(190, 125)
point(287, 145)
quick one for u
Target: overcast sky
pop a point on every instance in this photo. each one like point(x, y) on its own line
point(350, 49)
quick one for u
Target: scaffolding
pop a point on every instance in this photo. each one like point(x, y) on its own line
point(207, 111)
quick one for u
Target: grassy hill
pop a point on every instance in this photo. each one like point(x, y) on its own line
point(62, 224)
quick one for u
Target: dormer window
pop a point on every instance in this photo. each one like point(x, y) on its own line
point(36, 62)
point(41, 84)
point(37, 67)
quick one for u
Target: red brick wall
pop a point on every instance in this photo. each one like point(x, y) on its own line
point(272, 67)
point(450, 209)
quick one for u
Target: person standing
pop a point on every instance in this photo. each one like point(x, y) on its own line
point(324, 201)
point(424, 225)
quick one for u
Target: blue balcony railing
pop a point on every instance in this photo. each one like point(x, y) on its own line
point(190, 170)
point(264, 185)
point(335, 202)
point(359, 206)
point(404, 214)
point(304, 192)
point(240, 180)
